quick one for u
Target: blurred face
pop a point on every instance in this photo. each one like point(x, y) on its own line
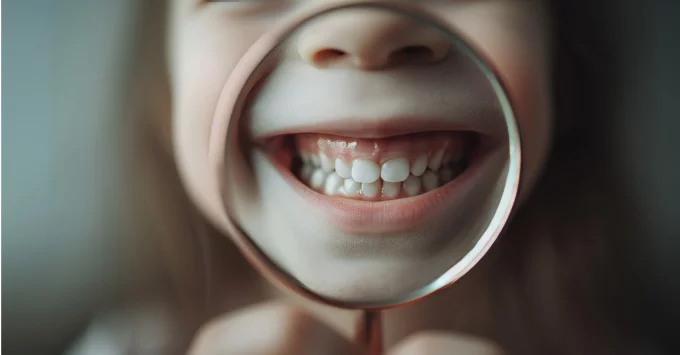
point(372, 145)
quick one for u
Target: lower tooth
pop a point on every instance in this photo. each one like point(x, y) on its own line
point(351, 187)
point(306, 172)
point(412, 185)
point(446, 175)
point(333, 184)
point(430, 180)
point(370, 190)
point(391, 189)
point(318, 179)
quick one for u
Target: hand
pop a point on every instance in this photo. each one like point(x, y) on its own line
point(276, 329)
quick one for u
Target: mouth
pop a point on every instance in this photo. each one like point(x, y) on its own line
point(380, 169)
point(383, 184)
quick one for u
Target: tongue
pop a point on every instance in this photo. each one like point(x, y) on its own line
point(410, 146)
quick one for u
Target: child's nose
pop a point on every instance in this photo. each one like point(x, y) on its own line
point(370, 39)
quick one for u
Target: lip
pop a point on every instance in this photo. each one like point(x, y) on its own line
point(383, 217)
point(378, 127)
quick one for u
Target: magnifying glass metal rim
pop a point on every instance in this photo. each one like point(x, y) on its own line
point(230, 105)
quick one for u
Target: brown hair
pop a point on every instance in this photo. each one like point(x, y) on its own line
point(558, 274)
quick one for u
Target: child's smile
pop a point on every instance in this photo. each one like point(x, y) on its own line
point(379, 144)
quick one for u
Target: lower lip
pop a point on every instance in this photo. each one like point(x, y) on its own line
point(383, 217)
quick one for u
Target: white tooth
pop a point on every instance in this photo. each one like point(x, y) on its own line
point(412, 185)
point(419, 165)
point(447, 158)
point(371, 190)
point(315, 160)
point(365, 171)
point(343, 169)
point(306, 172)
point(352, 187)
point(430, 180)
point(326, 163)
point(333, 184)
point(304, 157)
point(457, 152)
point(436, 160)
point(318, 179)
point(446, 175)
point(391, 189)
point(394, 170)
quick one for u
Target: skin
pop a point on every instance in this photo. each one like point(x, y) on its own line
point(206, 40)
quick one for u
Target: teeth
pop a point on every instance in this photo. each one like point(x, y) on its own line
point(318, 179)
point(363, 177)
point(365, 171)
point(391, 189)
point(412, 185)
point(446, 175)
point(326, 164)
point(306, 172)
point(395, 170)
point(436, 160)
point(371, 190)
point(315, 160)
point(419, 165)
point(305, 158)
point(344, 170)
point(430, 180)
point(352, 187)
point(333, 184)
point(447, 158)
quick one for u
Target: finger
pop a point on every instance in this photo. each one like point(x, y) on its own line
point(271, 329)
point(443, 343)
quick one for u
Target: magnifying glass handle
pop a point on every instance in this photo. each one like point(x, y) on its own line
point(369, 333)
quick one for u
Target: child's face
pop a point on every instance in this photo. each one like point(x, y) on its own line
point(366, 210)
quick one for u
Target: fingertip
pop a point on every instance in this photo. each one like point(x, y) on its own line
point(440, 343)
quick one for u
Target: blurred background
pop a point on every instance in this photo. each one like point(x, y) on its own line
point(62, 87)
point(62, 92)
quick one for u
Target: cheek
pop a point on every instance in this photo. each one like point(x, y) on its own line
point(204, 51)
point(513, 36)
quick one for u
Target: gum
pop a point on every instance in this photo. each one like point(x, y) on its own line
point(379, 151)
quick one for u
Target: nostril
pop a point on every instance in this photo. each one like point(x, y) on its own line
point(327, 55)
point(413, 54)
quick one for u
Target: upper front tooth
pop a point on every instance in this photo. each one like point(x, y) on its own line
point(419, 165)
point(326, 164)
point(436, 160)
point(395, 170)
point(342, 168)
point(365, 171)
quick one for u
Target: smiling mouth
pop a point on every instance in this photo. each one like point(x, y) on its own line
point(373, 170)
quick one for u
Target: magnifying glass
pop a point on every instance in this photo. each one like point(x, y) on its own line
point(365, 170)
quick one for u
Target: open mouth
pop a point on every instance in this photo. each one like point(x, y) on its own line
point(375, 170)
point(376, 184)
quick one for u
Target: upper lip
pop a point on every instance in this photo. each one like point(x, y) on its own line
point(373, 128)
